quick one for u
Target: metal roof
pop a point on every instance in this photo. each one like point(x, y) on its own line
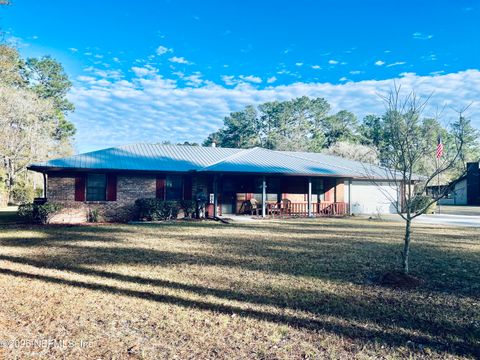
point(180, 158)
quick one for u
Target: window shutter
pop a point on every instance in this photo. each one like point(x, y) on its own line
point(161, 183)
point(80, 188)
point(187, 187)
point(111, 187)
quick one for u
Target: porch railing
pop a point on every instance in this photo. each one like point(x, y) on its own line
point(318, 209)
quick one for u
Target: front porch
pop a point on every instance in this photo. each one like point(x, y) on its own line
point(278, 196)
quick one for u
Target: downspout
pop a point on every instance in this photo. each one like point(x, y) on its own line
point(264, 196)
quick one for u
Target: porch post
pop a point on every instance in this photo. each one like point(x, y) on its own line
point(215, 195)
point(264, 196)
point(44, 185)
point(309, 197)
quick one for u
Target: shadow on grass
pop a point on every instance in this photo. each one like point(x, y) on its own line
point(339, 260)
point(390, 335)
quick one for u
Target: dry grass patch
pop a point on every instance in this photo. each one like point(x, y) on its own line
point(266, 290)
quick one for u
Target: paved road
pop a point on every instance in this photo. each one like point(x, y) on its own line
point(447, 219)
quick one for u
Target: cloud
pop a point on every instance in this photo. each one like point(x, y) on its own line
point(379, 63)
point(161, 50)
point(333, 62)
point(144, 71)
point(397, 63)
point(179, 60)
point(229, 80)
point(154, 108)
point(271, 80)
point(343, 78)
point(316, 67)
point(355, 72)
point(251, 78)
point(420, 36)
point(299, 64)
point(73, 50)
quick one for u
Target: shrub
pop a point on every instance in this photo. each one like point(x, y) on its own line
point(93, 215)
point(189, 207)
point(155, 209)
point(38, 213)
point(419, 202)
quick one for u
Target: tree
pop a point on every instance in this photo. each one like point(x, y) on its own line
point(340, 127)
point(25, 129)
point(47, 78)
point(11, 67)
point(297, 124)
point(358, 152)
point(408, 143)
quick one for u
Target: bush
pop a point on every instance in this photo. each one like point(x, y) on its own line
point(93, 215)
point(38, 213)
point(419, 202)
point(155, 209)
point(189, 207)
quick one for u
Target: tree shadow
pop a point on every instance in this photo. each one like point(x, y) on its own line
point(317, 256)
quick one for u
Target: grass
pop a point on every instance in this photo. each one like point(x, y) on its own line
point(291, 289)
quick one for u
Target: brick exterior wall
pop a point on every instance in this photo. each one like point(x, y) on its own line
point(61, 190)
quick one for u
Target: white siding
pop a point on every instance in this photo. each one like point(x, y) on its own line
point(369, 198)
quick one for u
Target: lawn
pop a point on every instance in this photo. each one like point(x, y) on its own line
point(262, 290)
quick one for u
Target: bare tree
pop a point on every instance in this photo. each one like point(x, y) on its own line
point(409, 141)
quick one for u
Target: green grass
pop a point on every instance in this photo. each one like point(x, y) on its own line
point(291, 289)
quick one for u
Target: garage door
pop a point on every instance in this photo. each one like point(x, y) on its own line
point(368, 198)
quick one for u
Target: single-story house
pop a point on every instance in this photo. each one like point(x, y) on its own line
point(110, 180)
point(463, 191)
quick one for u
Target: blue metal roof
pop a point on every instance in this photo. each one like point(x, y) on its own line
point(180, 158)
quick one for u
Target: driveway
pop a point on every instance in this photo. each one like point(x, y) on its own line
point(448, 219)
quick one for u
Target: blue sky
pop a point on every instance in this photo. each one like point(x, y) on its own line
point(171, 70)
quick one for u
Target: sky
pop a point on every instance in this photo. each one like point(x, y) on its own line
point(153, 71)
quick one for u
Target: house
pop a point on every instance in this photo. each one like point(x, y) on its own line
point(463, 191)
point(110, 181)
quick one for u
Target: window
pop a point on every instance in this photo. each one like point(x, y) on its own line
point(174, 187)
point(96, 187)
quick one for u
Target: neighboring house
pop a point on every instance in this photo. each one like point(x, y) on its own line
point(463, 191)
point(110, 180)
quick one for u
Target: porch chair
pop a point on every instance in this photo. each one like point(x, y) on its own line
point(286, 207)
point(254, 206)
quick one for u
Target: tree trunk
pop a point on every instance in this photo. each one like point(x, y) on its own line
point(406, 246)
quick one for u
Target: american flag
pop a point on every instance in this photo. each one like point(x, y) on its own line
point(439, 148)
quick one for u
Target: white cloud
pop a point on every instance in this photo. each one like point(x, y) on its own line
point(355, 72)
point(299, 63)
point(229, 80)
point(379, 62)
point(179, 60)
point(419, 36)
point(333, 62)
point(73, 50)
point(397, 63)
point(161, 50)
point(343, 78)
point(271, 80)
point(144, 71)
point(251, 78)
point(316, 67)
point(155, 108)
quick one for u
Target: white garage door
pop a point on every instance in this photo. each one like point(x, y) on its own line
point(368, 198)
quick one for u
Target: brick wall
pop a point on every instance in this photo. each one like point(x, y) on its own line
point(61, 189)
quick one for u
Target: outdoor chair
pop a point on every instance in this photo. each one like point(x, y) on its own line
point(286, 207)
point(254, 207)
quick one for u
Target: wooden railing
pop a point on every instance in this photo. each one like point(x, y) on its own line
point(318, 209)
